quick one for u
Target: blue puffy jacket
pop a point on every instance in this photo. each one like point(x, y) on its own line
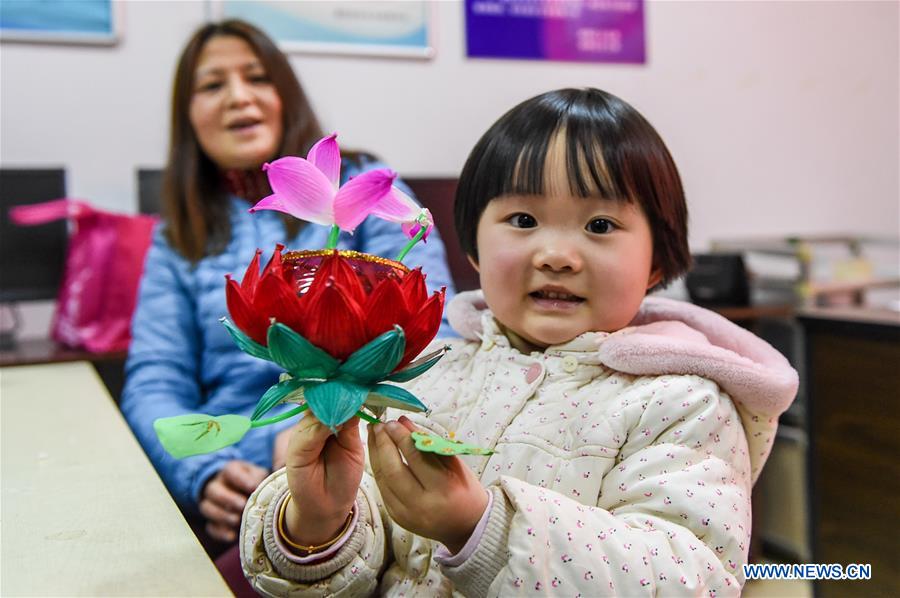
point(182, 360)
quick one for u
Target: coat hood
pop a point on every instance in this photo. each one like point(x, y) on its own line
point(675, 337)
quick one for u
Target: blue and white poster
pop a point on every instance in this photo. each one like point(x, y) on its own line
point(374, 27)
point(59, 21)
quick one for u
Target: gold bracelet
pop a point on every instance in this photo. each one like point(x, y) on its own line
point(308, 549)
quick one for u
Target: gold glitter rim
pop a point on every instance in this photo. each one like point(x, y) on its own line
point(293, 256)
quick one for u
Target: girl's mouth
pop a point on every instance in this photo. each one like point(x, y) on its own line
point(555, 300)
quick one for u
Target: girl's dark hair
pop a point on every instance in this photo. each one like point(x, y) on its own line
point(611, 152)
point(194, 194)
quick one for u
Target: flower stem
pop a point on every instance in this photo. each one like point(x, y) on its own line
point(333, 237)
point(365, 416)
point(411, 244)
point(272, 420)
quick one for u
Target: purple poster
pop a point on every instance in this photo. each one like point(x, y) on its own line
point(573, 30)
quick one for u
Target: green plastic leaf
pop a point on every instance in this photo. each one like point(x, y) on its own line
point(297, 355)
point(376, 359)
point(196, 434)
point(388, 395)
point(432, 443)
point(274, 396)
point(419, 366)
point(335, 401)
point(246, 344)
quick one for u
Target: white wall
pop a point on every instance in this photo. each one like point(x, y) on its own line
point(782, 116)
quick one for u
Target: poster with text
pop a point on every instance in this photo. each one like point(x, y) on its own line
point(568, 30)
point(368, 27)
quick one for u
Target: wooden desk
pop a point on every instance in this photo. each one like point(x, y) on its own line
point(84, 512)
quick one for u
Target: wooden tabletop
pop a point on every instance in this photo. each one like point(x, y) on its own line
point(84, 512)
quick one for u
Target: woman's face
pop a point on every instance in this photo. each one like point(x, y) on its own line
point(235, 109)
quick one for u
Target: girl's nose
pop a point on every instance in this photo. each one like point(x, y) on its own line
point(558, 256)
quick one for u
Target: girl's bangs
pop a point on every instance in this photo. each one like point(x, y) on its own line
point(579, 151)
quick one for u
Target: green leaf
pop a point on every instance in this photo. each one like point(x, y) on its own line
point(375, 359)
point(431, 443)
point(274, 396)
point(196, 434)
point(419, 366)
point(246, 344)
point(297, 355)
point(388, 395)
point(335, 401)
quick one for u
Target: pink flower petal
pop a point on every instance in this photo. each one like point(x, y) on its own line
point(397, 206)
point(356, 199)
point(326, 155)
point(301, 190)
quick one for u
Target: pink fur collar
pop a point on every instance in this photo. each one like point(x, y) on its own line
point(674, 337)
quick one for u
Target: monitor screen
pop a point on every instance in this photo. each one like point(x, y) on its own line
point(31, 258)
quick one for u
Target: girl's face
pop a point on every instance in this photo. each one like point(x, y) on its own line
point(555, 266)
point(235, 109)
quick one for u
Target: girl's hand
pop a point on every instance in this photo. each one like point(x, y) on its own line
point(280, 448)
point(324, 472)
point(433, 496)
point(225, 495)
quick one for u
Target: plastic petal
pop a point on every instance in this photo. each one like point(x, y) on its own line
point(385, 307)
point(358, 196)
point(336, 321)
point(414, 290)
point(245, 343)
point(431, 443)
point(251, 276)
point(418, 367)
point(423, 326)
point(297, 355)
point(275, 395)
point(376, 359)
point(345, 277)
point(326, 155)
point(274, 266)
point(336, 401)
point(243, 314)
point(397, 206)
point(276, 299)
point(300, 189)
point(388, 395)
point(198, 434)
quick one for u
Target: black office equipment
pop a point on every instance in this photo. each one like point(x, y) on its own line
point(718, 279)
point(149, 190)
point(32, 258)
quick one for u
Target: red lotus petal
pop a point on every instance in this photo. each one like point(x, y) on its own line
point(345, 277)
point(274, 265)
point(243, 316)
point(251, 276)
point(336, 322)
point(385, 307)
point(414, 290)
point(422, 327)
point(276, 299)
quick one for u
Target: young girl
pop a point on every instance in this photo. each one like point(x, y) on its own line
point(627, 431)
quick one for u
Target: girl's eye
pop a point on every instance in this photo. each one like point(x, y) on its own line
point(522, 221)
point(259, 79)
point(600, 226)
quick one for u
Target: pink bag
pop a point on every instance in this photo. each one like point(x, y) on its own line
point(104, 263)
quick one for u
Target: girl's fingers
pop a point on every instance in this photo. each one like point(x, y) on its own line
point(348, 434)
point(387, 465)
point(427, 469)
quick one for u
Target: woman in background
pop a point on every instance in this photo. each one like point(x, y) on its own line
point(236, 104)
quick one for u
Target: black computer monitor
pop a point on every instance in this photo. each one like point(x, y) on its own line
point(31, 258)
